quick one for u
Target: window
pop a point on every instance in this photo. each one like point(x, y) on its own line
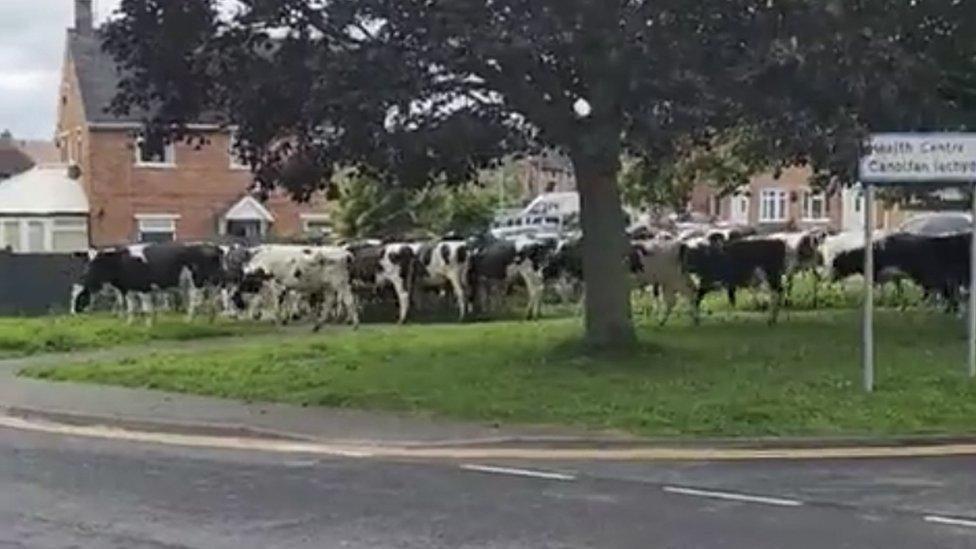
point(715, 206)
point(154, 151)
point(772, 206)
point(69, 235)
point(11, 235)
point(236, 161)
point(816, 207)
point(157, 228)
point(316, 224)
point(35, 236)
point(249, 229)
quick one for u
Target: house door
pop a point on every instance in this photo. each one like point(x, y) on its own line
point(852, 216)
point(740, 209)
point(250, 229)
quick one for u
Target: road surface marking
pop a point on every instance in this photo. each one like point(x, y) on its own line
point(948, 521)
point(734, 497)
point(418, 451)
point(517, 472)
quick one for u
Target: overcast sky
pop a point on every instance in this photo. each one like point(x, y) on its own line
point(31, 48)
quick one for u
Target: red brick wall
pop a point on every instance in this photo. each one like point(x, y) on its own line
point(200, 189)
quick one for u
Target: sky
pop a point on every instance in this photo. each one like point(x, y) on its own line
point(31, 50)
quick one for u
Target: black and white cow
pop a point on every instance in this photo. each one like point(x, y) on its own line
point(497, 263)
point(376, 265)
point(318, 274)
point(660, 263)
point(803, 254)
point(739, 264)
point(139, 271)
point(940, 265)
point(444, 264)
point(564, 271)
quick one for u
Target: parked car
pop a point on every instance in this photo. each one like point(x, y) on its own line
point(938, 224)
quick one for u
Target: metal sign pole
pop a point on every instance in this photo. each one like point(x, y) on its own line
point(972, 290)
point(868, 322)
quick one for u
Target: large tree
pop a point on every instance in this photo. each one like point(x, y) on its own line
point(418, 90)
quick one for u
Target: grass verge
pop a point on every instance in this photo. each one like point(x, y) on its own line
point(733, 376)
point(26, 336)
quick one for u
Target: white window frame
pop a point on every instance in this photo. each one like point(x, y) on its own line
point(808, 199)
point(50, 226)
point(779, 198)
point(170, 153)
point(170, 218)
point(308, 219)
point(234, 162)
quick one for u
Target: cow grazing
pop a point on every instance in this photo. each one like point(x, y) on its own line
point(564, 270)
point(319, 274)
point(444, 263)
point(500, 262)
point(139, 271)
point(661, 263)
point(739, 264)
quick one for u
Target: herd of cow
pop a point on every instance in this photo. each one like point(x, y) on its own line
point(329, 283)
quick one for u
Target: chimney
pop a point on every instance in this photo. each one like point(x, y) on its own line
point(84, 17)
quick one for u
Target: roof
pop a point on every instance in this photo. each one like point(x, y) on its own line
point(98, 80)
point(98, 77)
point(248, 209)
point(41, 152)
point(13, 161)
point(43, 190)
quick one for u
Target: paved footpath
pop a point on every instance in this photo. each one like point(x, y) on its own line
point(156, 410)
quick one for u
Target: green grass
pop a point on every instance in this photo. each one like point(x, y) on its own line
point(732, 376)
point(27, 336)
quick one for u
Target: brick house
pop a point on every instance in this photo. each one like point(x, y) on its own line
point(150, 190)
point(790, 201)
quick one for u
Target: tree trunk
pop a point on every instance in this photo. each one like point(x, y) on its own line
point(607, 303)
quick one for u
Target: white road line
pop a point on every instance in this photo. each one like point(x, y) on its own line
point(948, 521)
point(517, 472)
point(733, 497)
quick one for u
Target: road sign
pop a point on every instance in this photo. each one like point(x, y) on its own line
point(912, 159)
point(905, 158)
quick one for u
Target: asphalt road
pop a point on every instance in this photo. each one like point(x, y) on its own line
point(72, 492)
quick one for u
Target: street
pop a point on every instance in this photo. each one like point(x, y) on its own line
point(76, 492)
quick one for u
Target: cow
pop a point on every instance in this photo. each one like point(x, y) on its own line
point(564, 271)
point(802, 255)
point(661, 264)
point(501, 262)
point(940, 265)
point(319, 274)
point(738, 264)
point(376, 264)
point(444, 263)
point(139, 271)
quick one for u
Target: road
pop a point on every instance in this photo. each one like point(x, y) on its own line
point(72, 492)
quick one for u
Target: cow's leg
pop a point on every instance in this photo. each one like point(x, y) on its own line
point(670, 298)
point(194, 299)
point(687, 289)
point(403, 298)
point(348, 298)
point(533, 288)
point(776, 293)
point(457, 286)
point(121, 303)
point(731, 293)
point(816, 288)
point(131, 307)
point(148, 308)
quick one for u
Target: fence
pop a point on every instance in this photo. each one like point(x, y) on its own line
point(37, 284)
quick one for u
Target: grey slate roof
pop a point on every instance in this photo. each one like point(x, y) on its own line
point(98, 78)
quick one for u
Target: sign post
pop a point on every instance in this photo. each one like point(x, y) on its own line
point(972, 289)
point(867, 326)
point(915, 159)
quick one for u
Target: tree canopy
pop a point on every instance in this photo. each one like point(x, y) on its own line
point(421, 90)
